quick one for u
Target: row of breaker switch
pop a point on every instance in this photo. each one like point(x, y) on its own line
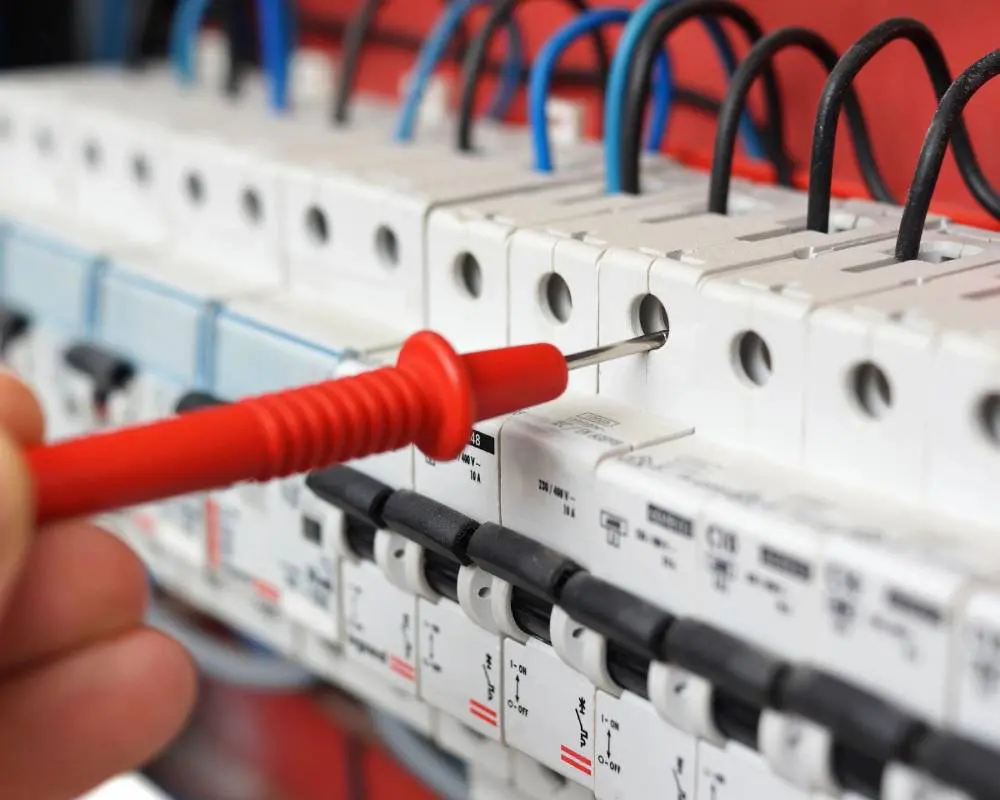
point(106, 373)
point(815, 730)
point(764, 315)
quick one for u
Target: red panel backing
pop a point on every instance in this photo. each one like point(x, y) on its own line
point(894, 89)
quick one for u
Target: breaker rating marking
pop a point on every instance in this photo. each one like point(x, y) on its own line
point(575, 760)
point(484, 713)
point(402, 668)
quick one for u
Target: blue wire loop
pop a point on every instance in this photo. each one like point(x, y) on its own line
point(618, 87)
point(433, 51)
point(275, 19)
point(545, 64)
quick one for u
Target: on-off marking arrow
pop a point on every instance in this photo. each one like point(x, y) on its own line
point(609, 743)
point(517, 688)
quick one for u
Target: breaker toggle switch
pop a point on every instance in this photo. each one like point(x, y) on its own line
point(106, 374)
point(745, 680)
point(634, 630)
point(533, 574)
point(959, 763)
point(851, 738)
point(14, 324)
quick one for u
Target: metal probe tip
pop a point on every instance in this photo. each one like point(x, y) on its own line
point(609, 352)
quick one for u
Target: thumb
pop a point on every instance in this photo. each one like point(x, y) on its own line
point(16, 513)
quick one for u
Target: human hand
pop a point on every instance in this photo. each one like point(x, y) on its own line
point(86, 691)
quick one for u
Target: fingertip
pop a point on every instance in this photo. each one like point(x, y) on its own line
point(162, 662)
point(21, 414)
point(16, 510)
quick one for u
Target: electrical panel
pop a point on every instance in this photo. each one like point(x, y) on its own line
point(758, 563)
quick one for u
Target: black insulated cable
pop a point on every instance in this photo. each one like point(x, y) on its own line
point(356, 34)
point(832, 100)
point(562, 78)
point(239, 26)
point(944, 128)
point(475, 59)
point(354, 42)
point(640, 80)
point(760, 55)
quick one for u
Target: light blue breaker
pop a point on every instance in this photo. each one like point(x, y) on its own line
point(49, 304)
point(161, 336)
point(156, 314)
point(273, 543)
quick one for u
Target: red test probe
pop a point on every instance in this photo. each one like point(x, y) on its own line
point(431, 398)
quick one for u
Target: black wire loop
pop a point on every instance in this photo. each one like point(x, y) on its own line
point(239, 28)
point(944, 128)
point(472, 65)
point(832, 100)
point(640, 80)
point(356, 34)
point(761, 55)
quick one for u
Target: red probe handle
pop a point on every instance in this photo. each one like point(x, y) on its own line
point(431, 398)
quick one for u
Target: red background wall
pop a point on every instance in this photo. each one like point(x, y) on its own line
point(895, 92)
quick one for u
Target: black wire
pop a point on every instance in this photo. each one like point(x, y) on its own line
point(354, 42)
point(760, 55)
point(472, 65)
point(945, 127)
point(640, 79)
point(563, 78)
point(239, 26)
point(143, 25)
point(843, 75)
point(356, 33)
point(696, 101)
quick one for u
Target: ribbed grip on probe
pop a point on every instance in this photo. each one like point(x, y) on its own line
point(316, 426)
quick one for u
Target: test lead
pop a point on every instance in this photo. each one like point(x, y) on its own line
point(431, 398)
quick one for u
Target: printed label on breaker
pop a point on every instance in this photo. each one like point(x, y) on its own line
point(640, 755)
point(470, 483)
point(735, 773)
point(182, 528)
point(979, 669)
point(648, 546)
point(886, 623)
point(759, 579)
point(240, 544)
point(380, 623)
point(549, 710)
point(306, 560)
point(460, 667)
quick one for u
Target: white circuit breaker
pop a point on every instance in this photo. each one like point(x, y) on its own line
point(755, 563)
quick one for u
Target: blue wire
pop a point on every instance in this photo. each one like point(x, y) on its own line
point(276, 46)
point(433, 50)
point(618, 80)
point(183, 38)
point(545, 64)
point(111, 31)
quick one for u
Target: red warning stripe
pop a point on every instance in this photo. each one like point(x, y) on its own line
point(266, 591)
point(485, 713)
point(402, 668)
point(575, 760)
